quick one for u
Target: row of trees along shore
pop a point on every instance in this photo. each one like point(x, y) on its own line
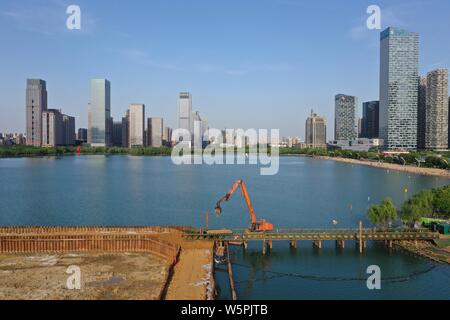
point(419, 158)
point(433, 203)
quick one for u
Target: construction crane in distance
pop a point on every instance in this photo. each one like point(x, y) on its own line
point(255, 226)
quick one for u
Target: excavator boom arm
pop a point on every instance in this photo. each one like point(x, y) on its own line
point(237, 184)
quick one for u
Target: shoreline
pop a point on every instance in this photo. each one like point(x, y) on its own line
point(392, 166)
point(380, 165)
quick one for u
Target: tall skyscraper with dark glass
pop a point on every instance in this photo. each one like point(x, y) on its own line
point(421, 112)
point(345, 120)
point(399, 55)
point(370, 120)
point(126, 130)
point(36, 103)
point(99, 113)
point(117, 133)
point(68, 130)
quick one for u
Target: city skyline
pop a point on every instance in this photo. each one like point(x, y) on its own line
point(136, 78)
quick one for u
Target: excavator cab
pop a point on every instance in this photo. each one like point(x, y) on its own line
point(262, 225)
point(255, 226)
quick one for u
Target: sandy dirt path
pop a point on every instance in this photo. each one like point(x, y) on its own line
point(391, 166)
point(193, 276)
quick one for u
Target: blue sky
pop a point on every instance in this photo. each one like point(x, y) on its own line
point(247, 63)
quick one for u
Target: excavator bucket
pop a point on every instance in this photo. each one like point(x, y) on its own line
point(218, 210)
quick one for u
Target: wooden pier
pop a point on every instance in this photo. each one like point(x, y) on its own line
point(359, 235)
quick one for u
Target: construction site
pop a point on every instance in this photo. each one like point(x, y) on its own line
point(152, 262)
point(115, 263)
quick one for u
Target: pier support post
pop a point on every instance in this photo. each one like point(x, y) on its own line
point(245, 244)
point(264, 248)
point(340, 244)
point(317, 244)
point(293, 244)
point(360, 238)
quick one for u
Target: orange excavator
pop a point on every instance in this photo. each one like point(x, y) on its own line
point(255, 226)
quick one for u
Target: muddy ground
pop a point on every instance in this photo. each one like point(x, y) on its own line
point(103, 276)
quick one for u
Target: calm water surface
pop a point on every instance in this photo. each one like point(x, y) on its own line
point(127, 190)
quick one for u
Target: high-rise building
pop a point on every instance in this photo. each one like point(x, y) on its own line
point(370, 120)
point(68, 130)
point(399, 54)
point(82, 134)
point(126, 130)
point(315, 131)
point(205, 128)
point(421, 112)
point(199, 126)
point(137, 125)
point(36, 103)
point(99, 113)
point(117, 133)
point(185, 112)
point(436, 129)
point(167, 136)
point(155, 132)
point(345, 120)
point(52, 128)
point(359, 127)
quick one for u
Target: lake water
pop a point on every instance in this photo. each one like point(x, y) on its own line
point(128, 190)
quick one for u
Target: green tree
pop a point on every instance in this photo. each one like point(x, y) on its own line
point(383, 214)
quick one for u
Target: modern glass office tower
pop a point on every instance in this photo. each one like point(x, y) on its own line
point(345, 120)
point(436, 129)
point(116, 134)
point(99, 114)
point(167, 136)
point(155, 127)
point(68, 130)
point(52, 128)
point(185, 112)
point(82, 134)
point(137, 125)
point(421, 112)
point(315, 131)
point(126, 130)
point(370, 119)
point(399, 54)
point(36, 103)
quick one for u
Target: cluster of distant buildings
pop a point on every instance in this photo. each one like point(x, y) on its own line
point(134, 129)
point(12, 138)
point(46, 127)
point(412, 112)
point(50, 127)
